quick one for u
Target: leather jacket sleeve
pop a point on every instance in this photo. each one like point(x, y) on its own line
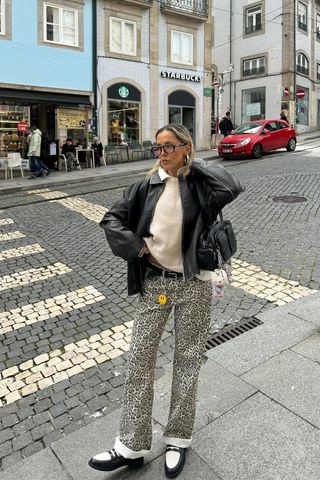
point(218, 186)
point(123, 242)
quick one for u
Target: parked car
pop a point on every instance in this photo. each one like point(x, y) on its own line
point(255, 138)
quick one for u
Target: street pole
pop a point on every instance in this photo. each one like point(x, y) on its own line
point(220, 92)
point(218, 110)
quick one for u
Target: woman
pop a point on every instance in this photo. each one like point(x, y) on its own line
point(155, 227)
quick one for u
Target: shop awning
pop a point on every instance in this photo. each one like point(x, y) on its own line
point(28, 97)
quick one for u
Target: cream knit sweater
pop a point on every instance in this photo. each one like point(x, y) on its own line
point(165, 243)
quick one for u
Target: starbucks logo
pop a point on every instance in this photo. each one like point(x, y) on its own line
point(123, 92)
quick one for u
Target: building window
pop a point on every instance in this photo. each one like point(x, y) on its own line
point(253, 104)
point(302, 107)
point(123, 36)
point(2, 18)
point(302, 64)
point(302, 16)
point(318, 71)
point(61, 25)
point(318, 27)
point(254, 19)
point(181, 47)
point(254, 66)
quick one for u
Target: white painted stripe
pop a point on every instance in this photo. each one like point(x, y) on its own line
point(21, 251)
point(272, 288)
point(91, 211)
point(33, 275)
point(11, 236)
point(49, 368)
point(49, 308)
point(5, 221)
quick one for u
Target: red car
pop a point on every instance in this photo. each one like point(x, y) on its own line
point(255, 138)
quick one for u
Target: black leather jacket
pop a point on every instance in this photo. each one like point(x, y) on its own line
point(128, 221)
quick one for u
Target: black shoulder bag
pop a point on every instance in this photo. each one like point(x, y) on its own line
point(217, 243)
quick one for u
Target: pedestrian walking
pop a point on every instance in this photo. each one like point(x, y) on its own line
point(155, 228)
point(226, 125)
point(283, 117)
point(37, 167)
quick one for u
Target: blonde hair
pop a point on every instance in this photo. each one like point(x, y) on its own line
point(183, 135)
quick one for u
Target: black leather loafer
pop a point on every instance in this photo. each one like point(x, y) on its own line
point(172, 471)
point(115, 461)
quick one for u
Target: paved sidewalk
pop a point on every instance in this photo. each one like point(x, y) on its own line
point(258, 412)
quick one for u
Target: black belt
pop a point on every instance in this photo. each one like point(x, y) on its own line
point(153, 271)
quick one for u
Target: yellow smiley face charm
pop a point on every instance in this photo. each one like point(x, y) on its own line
point(162, 299)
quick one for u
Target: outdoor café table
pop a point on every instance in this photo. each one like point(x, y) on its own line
point(87, 154)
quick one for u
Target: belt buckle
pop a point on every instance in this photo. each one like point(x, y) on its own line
point(172, 275)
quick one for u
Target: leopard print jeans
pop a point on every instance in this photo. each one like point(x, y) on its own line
point(191, 302)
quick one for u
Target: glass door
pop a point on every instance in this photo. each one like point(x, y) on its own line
point(183, 115)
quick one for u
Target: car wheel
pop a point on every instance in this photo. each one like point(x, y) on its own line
point(257, 151)
point(291, 145)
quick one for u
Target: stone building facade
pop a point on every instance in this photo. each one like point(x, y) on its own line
point(153, 68)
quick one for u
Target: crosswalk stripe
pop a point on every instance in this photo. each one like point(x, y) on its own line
point(51, 307)
point(49, 368)
point(20, 251)
point(91, 211)
point(272, 288)
point(11, 236)
point(33, 275)
point(5, 221)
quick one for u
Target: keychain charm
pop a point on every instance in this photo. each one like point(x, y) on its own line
point(162, 299)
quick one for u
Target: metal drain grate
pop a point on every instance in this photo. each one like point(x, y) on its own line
point(228, 333)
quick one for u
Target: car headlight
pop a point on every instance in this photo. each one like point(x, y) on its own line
point(244, 142)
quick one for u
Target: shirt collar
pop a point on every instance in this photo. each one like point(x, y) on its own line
point(163, 174)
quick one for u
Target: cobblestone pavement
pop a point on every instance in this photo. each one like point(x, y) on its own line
point(65, 319)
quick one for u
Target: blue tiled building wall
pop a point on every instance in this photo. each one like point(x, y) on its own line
point(25, 62)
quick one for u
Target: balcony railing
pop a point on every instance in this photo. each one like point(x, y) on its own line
point(198, 8)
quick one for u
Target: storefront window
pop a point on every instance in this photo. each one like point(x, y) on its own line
point(14, 120)
point(124, 114)
point(73, 123)
point(302, 107)
point(124, 122)
point(253, 104)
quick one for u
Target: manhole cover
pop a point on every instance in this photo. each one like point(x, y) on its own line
point(228, 333)
point(290, 199)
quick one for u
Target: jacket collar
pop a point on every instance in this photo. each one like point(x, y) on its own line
point(156, 179)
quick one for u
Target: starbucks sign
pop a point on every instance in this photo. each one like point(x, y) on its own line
point(123, 91)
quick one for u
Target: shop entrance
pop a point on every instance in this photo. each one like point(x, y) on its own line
point(182, 110)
